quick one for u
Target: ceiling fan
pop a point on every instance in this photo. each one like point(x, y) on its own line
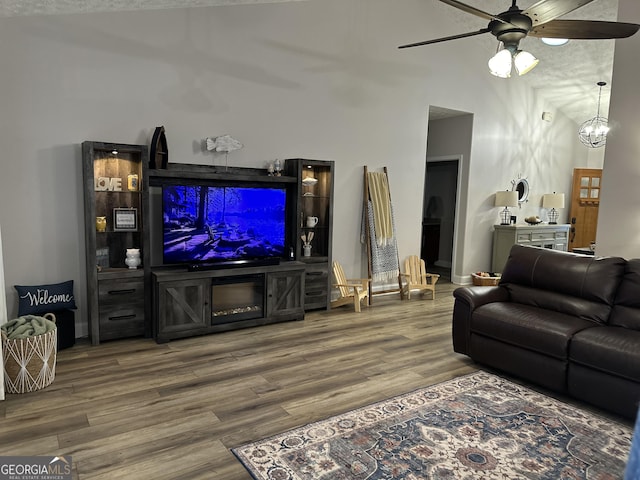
point(539, 20)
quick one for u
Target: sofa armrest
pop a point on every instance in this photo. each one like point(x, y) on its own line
point(477, 296)
point(467, 299)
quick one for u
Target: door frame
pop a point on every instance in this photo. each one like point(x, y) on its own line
point(458, 158)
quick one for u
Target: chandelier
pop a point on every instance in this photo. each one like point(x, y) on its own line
point(593, 132)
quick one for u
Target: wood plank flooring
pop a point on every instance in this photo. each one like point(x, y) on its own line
point(133, 409)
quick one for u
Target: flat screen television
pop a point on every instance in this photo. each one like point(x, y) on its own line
point(204, 224)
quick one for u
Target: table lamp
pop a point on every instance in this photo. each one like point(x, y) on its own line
point(506, 199)
point(553, 201)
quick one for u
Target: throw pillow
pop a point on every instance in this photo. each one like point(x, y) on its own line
point(35, 299)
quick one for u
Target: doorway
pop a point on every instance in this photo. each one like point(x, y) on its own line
point(449, 136)
point(438, 215)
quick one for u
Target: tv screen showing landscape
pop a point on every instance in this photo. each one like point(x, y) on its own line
point(222, 223)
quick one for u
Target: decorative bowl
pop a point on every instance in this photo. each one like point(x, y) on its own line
point(532, 222)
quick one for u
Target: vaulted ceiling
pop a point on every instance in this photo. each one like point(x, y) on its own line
point(571, 90)
point(566, 76)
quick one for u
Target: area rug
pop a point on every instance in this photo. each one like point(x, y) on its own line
point(478, 426)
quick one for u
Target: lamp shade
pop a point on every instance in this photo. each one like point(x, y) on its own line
point(524, 62)
point(500, 64)
point(506, 199)
point(553, 200)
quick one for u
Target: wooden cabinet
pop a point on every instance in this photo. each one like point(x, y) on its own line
point(114, 205)
point(195, 303)
point(285, 295)
point(313, 215)
point(555, 237)
point(182, 307)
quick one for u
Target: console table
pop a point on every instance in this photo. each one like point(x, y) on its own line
point(555, 237)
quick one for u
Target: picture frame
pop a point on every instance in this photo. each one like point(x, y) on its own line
point(125, 219)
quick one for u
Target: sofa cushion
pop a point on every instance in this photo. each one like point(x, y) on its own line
point(591, 278)
point(529, 327)
point(613, 350)
point(626, 310)
point(596, 312)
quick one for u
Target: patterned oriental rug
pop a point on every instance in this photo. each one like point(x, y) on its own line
point(478, 426)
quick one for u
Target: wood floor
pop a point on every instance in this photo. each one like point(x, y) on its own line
point(133, 409)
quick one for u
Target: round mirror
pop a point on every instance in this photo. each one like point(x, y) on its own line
point(522, 187)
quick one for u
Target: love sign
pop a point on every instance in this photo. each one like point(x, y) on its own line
point(107, 184)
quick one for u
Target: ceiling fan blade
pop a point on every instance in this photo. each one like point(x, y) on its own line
point(469, 9)
point(546, 10)
point(584, 29)
point(444, 39)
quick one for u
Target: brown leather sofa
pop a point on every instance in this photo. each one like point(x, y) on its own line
point(568, 322)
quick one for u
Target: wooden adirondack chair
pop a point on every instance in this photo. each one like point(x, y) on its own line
point(416, 277)
point(351, 290)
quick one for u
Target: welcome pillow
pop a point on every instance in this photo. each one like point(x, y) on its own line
point(35, 299)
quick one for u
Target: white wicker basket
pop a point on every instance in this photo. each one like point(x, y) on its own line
point(29, 363)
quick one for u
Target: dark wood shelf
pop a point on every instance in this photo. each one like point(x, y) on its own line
point(116, 273)
point(158, 177)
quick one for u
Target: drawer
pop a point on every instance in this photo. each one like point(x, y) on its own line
point(316, 277)
point(313, 302)
point(536, 237)
point(121, 308)
point(111, 292)
point(523, 237)
point(120, 321)
point(316, 287)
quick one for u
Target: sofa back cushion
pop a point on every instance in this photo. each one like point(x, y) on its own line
point(560, 302)
point(626, 309)
point(573, 284)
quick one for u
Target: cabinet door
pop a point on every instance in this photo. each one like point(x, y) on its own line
point(285, 294)
point(183, 306)
point(313, 209)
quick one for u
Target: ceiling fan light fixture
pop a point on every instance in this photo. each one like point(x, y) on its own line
point(500, 64)
point(555, 42)
point(524, 62)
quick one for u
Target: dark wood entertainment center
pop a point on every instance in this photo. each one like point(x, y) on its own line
point(185, 302)
point(174, 301)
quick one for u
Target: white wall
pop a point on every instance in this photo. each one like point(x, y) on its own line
point(316, 79)
point(618, 219)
